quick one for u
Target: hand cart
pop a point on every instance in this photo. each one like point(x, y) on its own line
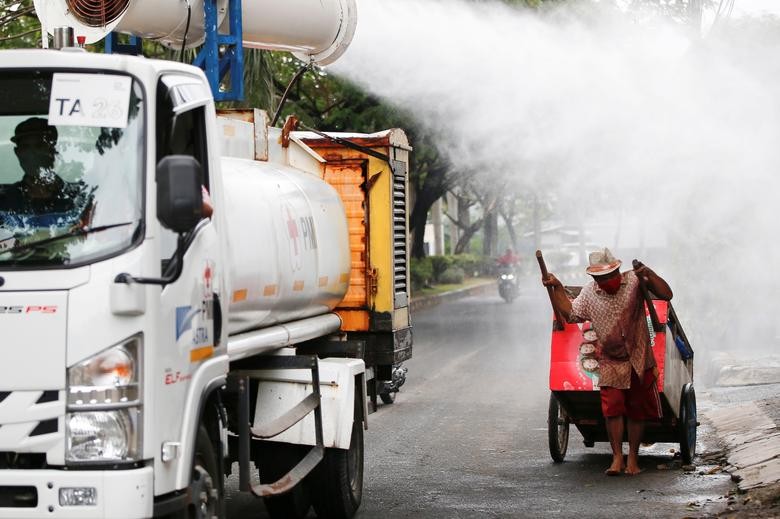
point(575, 398)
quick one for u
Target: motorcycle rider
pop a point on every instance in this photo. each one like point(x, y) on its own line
point(509, 259)
point(507, 274)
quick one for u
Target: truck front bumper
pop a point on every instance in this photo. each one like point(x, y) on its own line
point(36, 493)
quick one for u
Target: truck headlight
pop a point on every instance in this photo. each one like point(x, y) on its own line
point(105, 406)
point(103, 435)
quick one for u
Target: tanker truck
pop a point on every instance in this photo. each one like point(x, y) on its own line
point(187, 295)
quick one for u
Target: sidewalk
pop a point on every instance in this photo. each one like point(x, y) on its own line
point(745, 420)
point(418, 303)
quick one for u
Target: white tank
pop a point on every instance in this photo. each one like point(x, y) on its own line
point(317, 31)
point(288, 244)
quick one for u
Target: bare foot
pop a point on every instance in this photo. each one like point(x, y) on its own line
point(616, 468)
point(632, 469)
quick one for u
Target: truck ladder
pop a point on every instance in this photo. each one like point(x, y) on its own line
point(312, 401)
point(223, 54)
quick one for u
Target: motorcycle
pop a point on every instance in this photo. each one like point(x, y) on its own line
point(507, 283)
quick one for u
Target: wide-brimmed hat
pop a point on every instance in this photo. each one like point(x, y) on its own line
point(35, 127)
point(602, 262)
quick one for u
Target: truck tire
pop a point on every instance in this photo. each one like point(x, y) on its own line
point(206, 485)
point(388, 397)
point(274, 460)
point(337, 488)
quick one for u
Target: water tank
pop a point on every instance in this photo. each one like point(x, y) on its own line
point(288, 244)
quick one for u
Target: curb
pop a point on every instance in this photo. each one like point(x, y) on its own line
point(752, 442)
point(419, 303)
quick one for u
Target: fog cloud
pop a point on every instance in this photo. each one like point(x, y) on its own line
point(622, 117)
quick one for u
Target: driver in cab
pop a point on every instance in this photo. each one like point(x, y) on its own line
point(42, 198)
point(42, 204)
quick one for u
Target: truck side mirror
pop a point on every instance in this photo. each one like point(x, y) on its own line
point(179, 192)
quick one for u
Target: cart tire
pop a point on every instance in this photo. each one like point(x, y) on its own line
point(557, 430)
point(687, 424)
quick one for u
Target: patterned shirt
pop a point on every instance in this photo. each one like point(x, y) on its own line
point(621, 329)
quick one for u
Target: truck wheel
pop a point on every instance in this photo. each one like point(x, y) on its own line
point(388, 397)
point(338, 485)
point(557, 430)
point(687, 424)
point(274, 460)
point(206, 487)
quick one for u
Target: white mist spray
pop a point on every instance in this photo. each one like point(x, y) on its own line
point(616, 116)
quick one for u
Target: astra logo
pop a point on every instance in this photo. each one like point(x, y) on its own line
point(28, 309)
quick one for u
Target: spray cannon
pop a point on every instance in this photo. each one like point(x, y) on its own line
point(317, 31)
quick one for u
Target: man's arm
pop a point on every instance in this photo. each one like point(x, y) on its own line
point(559, 298)
point(654, 283)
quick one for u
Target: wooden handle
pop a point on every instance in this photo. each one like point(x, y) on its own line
point(542, 266)
point(558, 324)
point(648, 300)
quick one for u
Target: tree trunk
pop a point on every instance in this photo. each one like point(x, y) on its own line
point(464, 222)
point(490, 242)
point(465, 237)
point(434, 186)
point(509, 216)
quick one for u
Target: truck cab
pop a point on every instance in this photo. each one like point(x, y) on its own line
point(102, 368)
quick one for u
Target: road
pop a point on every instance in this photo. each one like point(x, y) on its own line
point(467, 435)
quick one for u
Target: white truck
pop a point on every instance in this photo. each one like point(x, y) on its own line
point(151, 346)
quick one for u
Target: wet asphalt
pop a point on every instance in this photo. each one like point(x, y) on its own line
point(467, 434)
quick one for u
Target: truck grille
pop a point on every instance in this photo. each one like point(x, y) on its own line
point(29, 424)
point(400, 234)
point(25, 461)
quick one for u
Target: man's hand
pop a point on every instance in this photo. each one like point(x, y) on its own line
point(653, 281)
point(558, 298)
point(643, 273)
point(551, 281)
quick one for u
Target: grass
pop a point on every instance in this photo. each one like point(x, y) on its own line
point(440, 289)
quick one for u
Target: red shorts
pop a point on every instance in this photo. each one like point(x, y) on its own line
point(638, 402)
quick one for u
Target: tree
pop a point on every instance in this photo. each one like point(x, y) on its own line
point(19, 26)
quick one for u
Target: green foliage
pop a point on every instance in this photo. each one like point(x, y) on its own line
point(452, 276)
point(440, 264)
point(421, 272)
point(19, 27)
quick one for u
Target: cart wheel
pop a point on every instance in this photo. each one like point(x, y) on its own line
point(687, 424)
point(557, 430)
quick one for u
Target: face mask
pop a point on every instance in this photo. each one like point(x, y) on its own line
point(611, 285)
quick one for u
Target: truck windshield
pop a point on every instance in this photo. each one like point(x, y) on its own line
point(71, 164)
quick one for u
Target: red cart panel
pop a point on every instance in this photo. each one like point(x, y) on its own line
point(574, 359)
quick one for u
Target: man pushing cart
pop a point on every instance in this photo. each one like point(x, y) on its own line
point(619, 335)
